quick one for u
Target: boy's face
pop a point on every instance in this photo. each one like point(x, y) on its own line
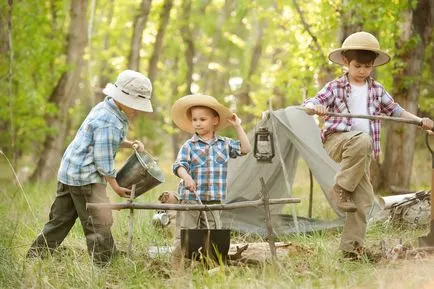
point(204, 121)
point(130, 112)
point(359, 72)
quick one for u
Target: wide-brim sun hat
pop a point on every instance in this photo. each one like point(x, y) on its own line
point(131, 89)
point(181, 111)
point(360, 41)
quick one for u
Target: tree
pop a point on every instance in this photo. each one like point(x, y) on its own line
point(63, 94)
point(136, 40)
point(415, 35)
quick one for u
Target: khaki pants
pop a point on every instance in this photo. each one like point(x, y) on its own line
point(69, 204)
point(353, 151)
point(192, 220)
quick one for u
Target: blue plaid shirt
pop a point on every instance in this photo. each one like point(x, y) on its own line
point(207, 164)
point(90, 156)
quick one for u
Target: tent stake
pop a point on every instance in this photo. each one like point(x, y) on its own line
point(265, 197)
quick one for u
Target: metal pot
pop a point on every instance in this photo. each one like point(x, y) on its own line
point(212, 243)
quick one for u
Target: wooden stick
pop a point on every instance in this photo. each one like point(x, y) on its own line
point(372, 117)
point(270, 237)
point(309, 213)
point(192, 207)
point(131, 221)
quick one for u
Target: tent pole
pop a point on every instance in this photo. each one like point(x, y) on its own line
point(285, 174)
point(309, 213)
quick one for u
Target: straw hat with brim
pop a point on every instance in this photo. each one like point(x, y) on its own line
point(180, 111)
point(360, 41)
point(131, 89)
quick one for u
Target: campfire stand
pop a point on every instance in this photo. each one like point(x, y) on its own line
point(264, 201)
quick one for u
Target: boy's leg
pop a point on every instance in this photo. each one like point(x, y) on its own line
point(61, 219)
point(353, 150)
point(96, 222)
point(354, 231)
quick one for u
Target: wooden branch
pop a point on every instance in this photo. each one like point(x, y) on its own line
point(270, 232)
point(307, 27)
point(372, 117)
point(131, 221)
point(192, 207)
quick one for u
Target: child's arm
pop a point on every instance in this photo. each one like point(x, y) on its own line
point(325, 97)
point(130, 144)
point(241, 134)
point(427, 123)
point(188, 180)
point(122, 192)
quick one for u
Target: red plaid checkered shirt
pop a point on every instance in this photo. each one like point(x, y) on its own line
point(334, 95)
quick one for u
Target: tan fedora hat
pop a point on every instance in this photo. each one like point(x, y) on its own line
point(132, 89)
point(360, 41)
point(180, 110)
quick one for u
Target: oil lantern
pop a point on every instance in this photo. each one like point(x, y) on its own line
point(263, 149)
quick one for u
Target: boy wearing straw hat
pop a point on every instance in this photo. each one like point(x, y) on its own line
point(88, 164)
point(350, 141)
point(202, 160)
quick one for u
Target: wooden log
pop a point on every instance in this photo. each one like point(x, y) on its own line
point(192, 207)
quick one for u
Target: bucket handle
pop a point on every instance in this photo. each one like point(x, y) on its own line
point(142, 162)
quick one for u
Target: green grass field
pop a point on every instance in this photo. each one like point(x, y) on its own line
point(24, 212)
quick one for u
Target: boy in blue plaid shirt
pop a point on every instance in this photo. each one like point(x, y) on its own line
point(88, 164)
point(202, 160)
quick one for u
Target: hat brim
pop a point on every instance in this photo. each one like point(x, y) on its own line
point(134, 102)
point(180, 110)
point(337, 57)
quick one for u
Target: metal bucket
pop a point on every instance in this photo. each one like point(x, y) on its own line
point(213, 243)
point(142, 170)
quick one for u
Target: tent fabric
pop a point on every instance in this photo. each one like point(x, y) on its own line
point(295, 135)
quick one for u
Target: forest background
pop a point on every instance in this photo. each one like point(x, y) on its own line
point(56, 56)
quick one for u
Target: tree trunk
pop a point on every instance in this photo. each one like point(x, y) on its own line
point(64, 93)
point(400, 141)
point(153, 61)
point(106, 70)
point(187, 37)
point(136, 40)
point(243, 95)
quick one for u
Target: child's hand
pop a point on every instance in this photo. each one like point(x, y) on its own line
point(138, 145)
point(190, 184)
point(123, 192)
point(234, 120)
point(318, 109)
point(427, 124)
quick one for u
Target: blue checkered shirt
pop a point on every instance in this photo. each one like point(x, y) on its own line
point(90, 156)
point(207, 164)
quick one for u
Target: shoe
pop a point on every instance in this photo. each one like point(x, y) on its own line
point(343, 199)
point(362, 254)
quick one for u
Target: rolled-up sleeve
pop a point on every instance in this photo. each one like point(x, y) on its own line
point(182, 160)
point(106, 144)
point(388, 105)
point(234, 148)
point(324, 97)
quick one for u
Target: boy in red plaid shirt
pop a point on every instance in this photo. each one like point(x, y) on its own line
point(350, 141)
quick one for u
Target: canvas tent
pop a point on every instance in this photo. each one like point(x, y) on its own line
point(295, 135)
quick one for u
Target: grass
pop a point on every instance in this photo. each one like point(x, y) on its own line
point(24, 212)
